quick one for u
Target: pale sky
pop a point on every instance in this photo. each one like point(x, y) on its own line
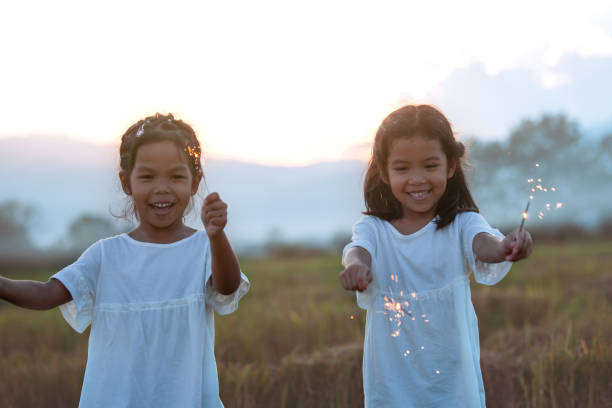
point(274, 82)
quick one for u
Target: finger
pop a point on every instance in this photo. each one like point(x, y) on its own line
point(527, 246)
point(363, 282)
point(508, 245)
point(214, 214)
point(344, 281)
point(212, 197)
point(218, 221)
point(214, 205)
point(369, 276)
point(209, 218)
point(352, 280)
point(348, 279)
point(363, 277)
point(510, 254)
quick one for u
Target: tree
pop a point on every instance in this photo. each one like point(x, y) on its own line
point(87, 229)
point(15, 219)
point(549, 138)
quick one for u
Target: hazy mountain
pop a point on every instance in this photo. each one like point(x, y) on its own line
point(63, 178)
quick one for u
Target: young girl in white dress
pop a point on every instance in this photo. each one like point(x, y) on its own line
point(410, 259)
point(149, 295)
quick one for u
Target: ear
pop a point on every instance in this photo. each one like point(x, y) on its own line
point(125, 182)
point(196, 184)
point(451, 168)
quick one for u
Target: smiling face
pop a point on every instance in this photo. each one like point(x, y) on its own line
point(161, 185)
point(417, 172)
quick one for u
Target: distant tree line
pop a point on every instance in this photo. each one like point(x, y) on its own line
point(17, 250)
point(581, 167)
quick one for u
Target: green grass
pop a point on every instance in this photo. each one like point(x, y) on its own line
point(545, 338)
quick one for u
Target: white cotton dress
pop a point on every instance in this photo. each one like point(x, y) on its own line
point(421, 345)
point(150, 307)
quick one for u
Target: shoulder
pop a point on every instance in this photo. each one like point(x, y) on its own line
point(105, 247)
point(368, 224)
point(469, 217)
point(371, 221)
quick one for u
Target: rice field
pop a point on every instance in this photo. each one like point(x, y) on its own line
point(296, 339)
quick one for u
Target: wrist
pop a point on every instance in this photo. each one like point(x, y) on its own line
point(500, 253)
point(216, 236)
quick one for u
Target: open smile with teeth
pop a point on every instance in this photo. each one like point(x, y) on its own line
point(161, 205)
point(420, 195)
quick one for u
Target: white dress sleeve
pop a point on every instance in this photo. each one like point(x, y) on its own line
point(472, 224)
point(80, 280)
point(223, 304)
point(364, 236)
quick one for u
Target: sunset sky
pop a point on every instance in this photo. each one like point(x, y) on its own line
point(273, 82)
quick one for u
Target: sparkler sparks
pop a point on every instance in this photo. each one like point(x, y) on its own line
point(538, 188)
point(399, 310)
point(396, 312)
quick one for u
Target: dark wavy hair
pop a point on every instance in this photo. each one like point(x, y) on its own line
point(159, 128)
point(406, 122)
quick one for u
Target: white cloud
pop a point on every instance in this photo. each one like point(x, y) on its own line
point(269, 80)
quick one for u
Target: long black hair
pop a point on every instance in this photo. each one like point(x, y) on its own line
point(406, 122)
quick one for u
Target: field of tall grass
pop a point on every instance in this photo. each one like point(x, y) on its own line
point(296, 339)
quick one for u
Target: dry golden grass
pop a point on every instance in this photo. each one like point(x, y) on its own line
point(545, 337)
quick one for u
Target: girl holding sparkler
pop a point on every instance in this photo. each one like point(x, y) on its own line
point(149, 295)
point(410, 259)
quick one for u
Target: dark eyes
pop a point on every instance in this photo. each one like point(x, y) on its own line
point(150, 177)
point(429, 166)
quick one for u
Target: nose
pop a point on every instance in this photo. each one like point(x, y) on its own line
point(161, 187)
point(416, 177)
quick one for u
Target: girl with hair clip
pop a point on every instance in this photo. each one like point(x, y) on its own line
point(410, 259)
point(149, 294)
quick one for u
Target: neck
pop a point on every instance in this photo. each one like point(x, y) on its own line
point(410, 225)
point(168, 235)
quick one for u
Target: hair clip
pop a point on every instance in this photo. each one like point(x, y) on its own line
point(140, 130)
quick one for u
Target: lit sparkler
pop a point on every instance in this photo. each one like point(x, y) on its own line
point(525, 215)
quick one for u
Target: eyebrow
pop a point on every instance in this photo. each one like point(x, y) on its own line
point(436, 158)
point(175, 168)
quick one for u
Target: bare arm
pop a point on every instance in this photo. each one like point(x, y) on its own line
point(357, 273)
point(491, 249)
point(225, 266)
point(34, 295)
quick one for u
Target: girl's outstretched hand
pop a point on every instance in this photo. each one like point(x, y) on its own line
point(517, 245)
point(356, 276)
point(214, 214)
